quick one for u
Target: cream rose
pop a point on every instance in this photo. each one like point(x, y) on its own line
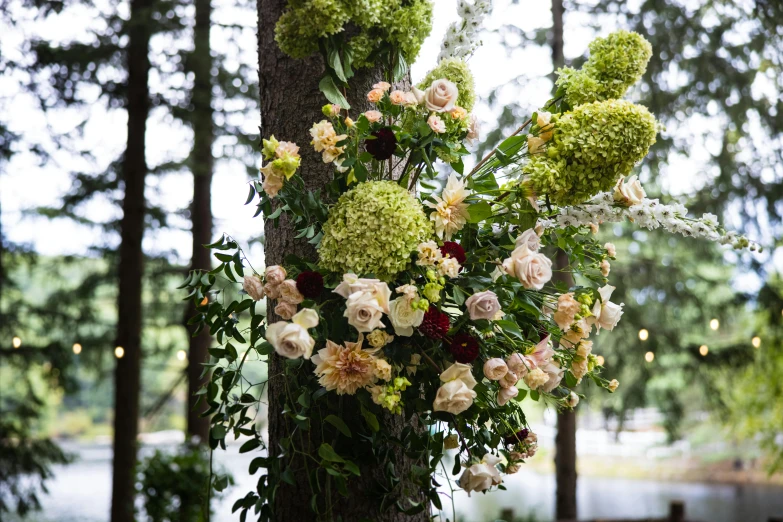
point(509, 380)
point(436, 124)
point(383, 370)
point(536, 378)
point(495, 369)
point(482, 476)
point(292, 340)
point(613, 384)
point(449, 267)
point(254, 287)
point(605, 268)
point(572, 400)
point(411, 100)
point(519, 364)
point(352, 284)
point(555, 373)
point(272, 291)
point(285, 310)
point(273, 181)
point(289, 292)
point(530, 238)
point(453, 397)
point(506, 394)
point(482, 305)
point(611, 250)
point(532, 269)
point(441, 96)
point(474, 129)
point(459, 371)
point(373, 116)
point(274, 275)
point(404, 318)
point(384, 86)
point(429, 253)
point(363, 311)
point(629, 193)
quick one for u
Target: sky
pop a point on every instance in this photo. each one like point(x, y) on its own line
point(26, 185)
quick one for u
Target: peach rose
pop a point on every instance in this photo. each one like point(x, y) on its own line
point(285, 310)
point(436, 124)
point(495, 369)
point(532, 269)
point(506, 394)
point(397, 97)
point(274, 275)
point(290, 293)
point(373, 116)
point(384, 86)
point(375, 95)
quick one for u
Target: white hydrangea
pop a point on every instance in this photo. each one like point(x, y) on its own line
point(461, 40)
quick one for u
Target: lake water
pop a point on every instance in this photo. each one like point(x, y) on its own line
point(81, 493)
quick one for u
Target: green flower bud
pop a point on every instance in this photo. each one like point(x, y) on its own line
point(269, 147)
point(432, 292)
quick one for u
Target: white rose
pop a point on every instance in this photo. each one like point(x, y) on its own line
point(605, 313)
point(530, 238)
point(453, 397)
point(495, 369)
point(441, 96)
point(352, 284)
point(449, 267)
point(474, 129)
point(459, 371)
point(532, 269)
point(363, 311)
point(254, 287)
point(404, 317)
point(482, 305)
point(572, 400)
point(482, 476)
point(506, 394)
point(292, 340)
point(611, 250)
point(629, 193)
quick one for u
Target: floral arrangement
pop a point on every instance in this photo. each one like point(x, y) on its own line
point(441, 302)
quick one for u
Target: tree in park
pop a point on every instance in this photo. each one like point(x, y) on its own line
point(407, 319)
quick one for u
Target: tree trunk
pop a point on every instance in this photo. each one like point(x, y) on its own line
point(201, 164)
point(129, 309)
point(565, 440)
point(290, 104)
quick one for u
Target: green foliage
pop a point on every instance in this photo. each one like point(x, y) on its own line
point(616, 62)
point(457, 71)
point(174, 486)
point(373, 229)
point(594, 145)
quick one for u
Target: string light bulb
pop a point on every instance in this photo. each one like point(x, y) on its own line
point(704, 350)
point(77, 348)
point(714, 324)
point(649, 357)
point(643, 334)
point(119, 352)
point(181, 355)
point(756, 342)
point(16, 342)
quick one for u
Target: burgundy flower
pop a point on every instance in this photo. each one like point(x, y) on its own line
point(464, 348)
point(310, 284)
point(384, 144)
point(435, 324)
point(517, 437)
point(453, 250)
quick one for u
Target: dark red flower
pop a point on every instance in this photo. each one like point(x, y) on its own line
point(384, 144)
point(464, 348)
point(435, 324)
point(452, 249)
point(310, 284)
point(517, 437)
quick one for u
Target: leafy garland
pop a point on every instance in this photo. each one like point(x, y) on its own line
point(440, 306)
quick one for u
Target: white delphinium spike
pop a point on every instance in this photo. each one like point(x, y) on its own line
point(461, 40)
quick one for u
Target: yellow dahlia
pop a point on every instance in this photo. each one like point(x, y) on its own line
point(345, 368)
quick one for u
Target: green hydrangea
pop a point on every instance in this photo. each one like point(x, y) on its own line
point(403, 24)
point(455, 70)
point(616, 62)
point(592, 147)
point(372, 230)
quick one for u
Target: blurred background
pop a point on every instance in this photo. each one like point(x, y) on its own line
point(698, 417)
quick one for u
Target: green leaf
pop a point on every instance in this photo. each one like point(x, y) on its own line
point(249, 446)
point(510, 327)
point(479, 212)
point(353, 468)
point(327, 453)
point(338, 423)
point(332, 93)
point(370, 419)
point(218, 431)
point(337, 66)
point(250, 195)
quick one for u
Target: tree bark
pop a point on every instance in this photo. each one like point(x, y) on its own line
point(202, 165)
point(290, 104)
point(131, 260)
